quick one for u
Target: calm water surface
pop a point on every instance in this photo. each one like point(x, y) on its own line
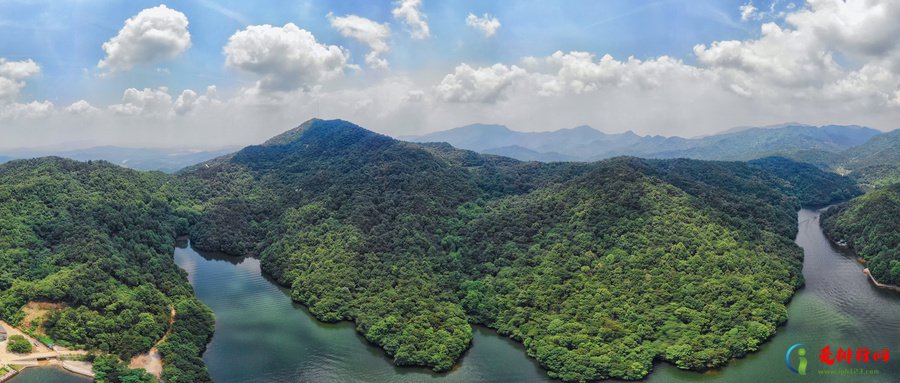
point(261, 336)
point(48, 374)
point(837, 306)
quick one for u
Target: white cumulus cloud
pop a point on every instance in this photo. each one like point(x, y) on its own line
point(798, 58)
point(18, 70)
point(190, 100)
point(485, 84)
point(780, 58)
point(579, 72)
point(486, 24)
point(145, 102)
point(284, 58)
point(408, 11)
point(155, 34)
point(366, 31)
point(826, 62)
point(31, 110)
point(12, 77)
point(81, 108)
point(748, 11)
point(863, 30)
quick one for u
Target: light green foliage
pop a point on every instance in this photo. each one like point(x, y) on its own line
point(18, 344)
point(608, 273)
point(599, 269)
point(876, 176)
point(870, 226)
point(110, 369)
point(317, 258)
point(98, 238)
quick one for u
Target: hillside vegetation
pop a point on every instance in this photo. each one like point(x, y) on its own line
point(599, 269)
point(100, 239)
point(871, 228)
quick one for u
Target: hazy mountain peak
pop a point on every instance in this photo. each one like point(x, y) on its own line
point(317, 127)
point(586, 143)
point(291, 135)
point(583, 128)
point(485, 127)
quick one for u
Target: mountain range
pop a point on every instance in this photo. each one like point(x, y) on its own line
point(587, 144)
point(415, 242)
point(600, 269)
point(838, 148)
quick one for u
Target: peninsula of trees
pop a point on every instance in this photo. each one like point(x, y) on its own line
point(599, 269)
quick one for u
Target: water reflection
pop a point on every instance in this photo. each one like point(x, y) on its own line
point(837, 306)
point(262, 336)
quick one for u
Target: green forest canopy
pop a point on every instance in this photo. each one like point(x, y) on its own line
point(599, 269)
point(100, 238)
point(870, 227)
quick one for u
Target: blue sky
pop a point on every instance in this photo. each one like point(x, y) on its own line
point(65, 37)
point(212, 71)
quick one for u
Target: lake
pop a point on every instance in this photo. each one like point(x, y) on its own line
point(838, 306)
point(48, 374)
point(261, 336)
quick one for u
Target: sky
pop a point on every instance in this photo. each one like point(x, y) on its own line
point(206, 73)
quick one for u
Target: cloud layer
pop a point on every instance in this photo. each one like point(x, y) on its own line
point(485, 85)
point(153, 35)
point(825, 62)
point(368, 32)
point(13, 76)
point(284, 58)
point(410, 13)
point(486, 24)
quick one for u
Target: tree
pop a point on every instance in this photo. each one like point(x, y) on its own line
point(18, 344)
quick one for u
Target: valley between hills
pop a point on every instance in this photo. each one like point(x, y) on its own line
point(600, 269)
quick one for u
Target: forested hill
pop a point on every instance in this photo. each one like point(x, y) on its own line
point(99, 238)
point(599, 269)
point(870, 227)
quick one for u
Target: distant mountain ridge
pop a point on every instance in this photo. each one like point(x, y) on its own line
point(588, 144)
point(883, 149)
point(578, 143)
point(162, 159)
point(525, 154)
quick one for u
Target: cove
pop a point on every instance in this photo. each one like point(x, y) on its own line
point(837, 306)
point(48, 374)
point(261, 336)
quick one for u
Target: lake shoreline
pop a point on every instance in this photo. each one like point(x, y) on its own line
point(655, 365)
point(307, 349)
point(819, 312)
point(351, 322)
point(879, 284)
point(859, 259)
point(43, 355)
